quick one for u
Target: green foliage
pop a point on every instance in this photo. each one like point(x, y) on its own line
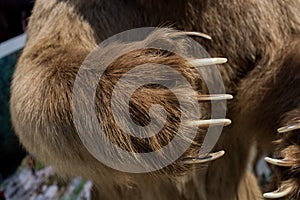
point(77, 191)
point(39, 165)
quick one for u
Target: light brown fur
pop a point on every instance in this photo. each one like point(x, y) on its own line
point(258, 38)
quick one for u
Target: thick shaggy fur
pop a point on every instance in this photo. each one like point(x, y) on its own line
point(258, 37)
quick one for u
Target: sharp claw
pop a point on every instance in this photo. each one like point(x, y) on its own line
point(198, 34)
point(207, 62)
point(209, 122)
point(283, 191)
point(215, 97)
point(200, 160)
point(277, 162)
point(289, 128)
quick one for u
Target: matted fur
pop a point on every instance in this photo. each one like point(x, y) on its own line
point(259, 39)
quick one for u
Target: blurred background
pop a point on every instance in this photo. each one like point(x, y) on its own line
point(13, 17)
point(13, 20)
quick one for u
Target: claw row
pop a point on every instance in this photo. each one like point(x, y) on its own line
point(215, 97)
point(285, 189)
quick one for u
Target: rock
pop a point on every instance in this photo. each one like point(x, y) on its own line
point(51, 191)
point(26, 186)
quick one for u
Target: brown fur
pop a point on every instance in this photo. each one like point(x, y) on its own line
point(258, 38)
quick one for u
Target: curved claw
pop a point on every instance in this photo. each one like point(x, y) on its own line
point(215, 97)
point(197, 34)
point(209, 122)
point(277, 162)
point(283, 191)
point(200, 160)
point(289, 128)
point(208, 62)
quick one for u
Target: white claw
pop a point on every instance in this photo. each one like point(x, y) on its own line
point(283, 191)
point(215, 97)
point(209, 122)
point(197, 34)
point(207, 62)
point(289, 128)
point(208, 158)
point(277, 162)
